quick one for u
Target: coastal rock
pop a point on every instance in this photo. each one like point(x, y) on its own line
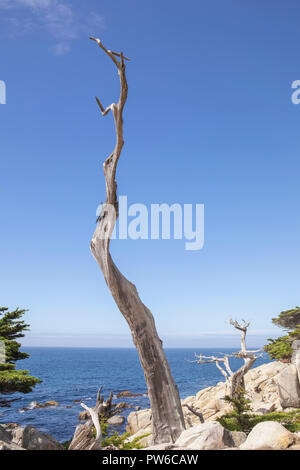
point(128, 394)
point(116, 420)
point(84, 416)
point(235, 438)
point(268, 434)
point(288, 387)
point(4, 434)
point(83, 438)
point(138, 420)
point(145, 436)
point(32, 439)
point(164, 446)
point(296, 357)
point(49, 403)
point(9, 446)
point(206, 436)
point(261, 389)
point(17, 435)
point(122, 405)
point(14, 433)
point(35, 405)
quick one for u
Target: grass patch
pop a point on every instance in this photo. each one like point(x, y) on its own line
point(290, 420)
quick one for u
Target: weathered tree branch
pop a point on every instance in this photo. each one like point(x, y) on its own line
point(94, 413)
point(167, 416)
point(235, 379)
point(197, 413)
point(243, 328)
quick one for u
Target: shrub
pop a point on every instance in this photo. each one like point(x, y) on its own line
point(281, 348)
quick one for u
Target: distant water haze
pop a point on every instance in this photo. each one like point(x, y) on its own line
point(205, 339)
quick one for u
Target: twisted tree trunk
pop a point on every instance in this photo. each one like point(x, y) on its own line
point(167, 416)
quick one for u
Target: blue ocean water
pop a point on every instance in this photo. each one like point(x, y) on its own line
point(70, 374)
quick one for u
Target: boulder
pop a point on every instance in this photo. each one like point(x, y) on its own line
point(206, 436)
point(14, 433)
point(262, 390)
point(35, 405)
point(235, 438)
point(9, 446)
point(264, 408)
point(296, 357)
point(32, 439)
point(83, 438)
point(4, 434)
point(49, 403)
point(138, 420)
point(268, 434)
point(158, 446)
point(122, 405)
point(128, 394)
point(116, 420)
point(84, 416)
point(146, 440)
point(288, 387)
point(17, 435)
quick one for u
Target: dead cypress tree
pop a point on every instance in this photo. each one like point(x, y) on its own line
point(167, 415)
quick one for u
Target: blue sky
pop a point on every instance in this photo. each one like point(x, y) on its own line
point(209, 119)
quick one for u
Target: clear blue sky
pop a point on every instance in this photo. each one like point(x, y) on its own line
point(209, 120)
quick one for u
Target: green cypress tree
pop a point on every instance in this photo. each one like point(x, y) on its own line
point(12, 327)
point(281, 348)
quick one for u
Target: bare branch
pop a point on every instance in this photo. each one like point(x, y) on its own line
point(94, 413)
point(197, 413)
point(236, 379)
point(99, 399)
point(104, 111)
point(109, 53)
point(239, 326)
point(119, 55)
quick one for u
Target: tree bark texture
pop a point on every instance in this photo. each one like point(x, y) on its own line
point(167, 415)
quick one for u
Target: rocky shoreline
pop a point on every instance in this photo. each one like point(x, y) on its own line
point(270, 387)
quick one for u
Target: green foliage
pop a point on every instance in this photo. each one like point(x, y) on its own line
point(66, 444)
point(290, 420)
point(118, 440)
point(288, 319)
point(12, 327)
point(281, 348)
point(238, 419)
point(241, 420)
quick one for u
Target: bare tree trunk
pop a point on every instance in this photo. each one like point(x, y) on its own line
point(167, 415)
point(237, 380)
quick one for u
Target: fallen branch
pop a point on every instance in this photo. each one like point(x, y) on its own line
point(197, 413)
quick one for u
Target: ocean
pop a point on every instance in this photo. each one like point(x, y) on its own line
point(70, 374)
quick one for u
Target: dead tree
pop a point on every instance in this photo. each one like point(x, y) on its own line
point(102, 410)
point(235, 380)
point(167, 415)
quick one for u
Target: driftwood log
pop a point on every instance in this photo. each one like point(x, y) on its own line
point(167, 415)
